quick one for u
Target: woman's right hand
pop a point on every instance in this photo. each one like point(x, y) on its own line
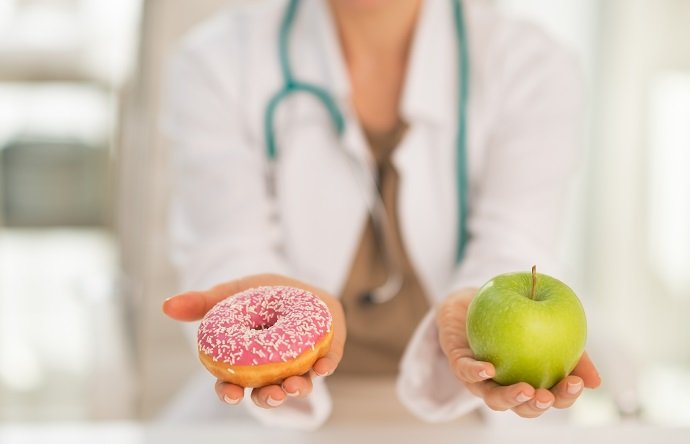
point(193, 305)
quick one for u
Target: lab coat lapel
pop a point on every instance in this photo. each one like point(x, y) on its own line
point(323, 231)
point(426, 158)
point(335, 71)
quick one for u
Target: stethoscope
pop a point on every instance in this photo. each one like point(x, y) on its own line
point(291, 85)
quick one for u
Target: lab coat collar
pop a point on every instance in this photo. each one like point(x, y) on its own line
point(332, 53)
point(338, 81)
point(429, 93)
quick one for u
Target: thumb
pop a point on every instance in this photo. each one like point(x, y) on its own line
point(450, 320)
point(586, 370)
point(190, 306)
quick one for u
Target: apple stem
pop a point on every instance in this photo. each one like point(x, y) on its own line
point(534, 280)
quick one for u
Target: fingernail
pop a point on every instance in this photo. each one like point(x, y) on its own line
point(523, 397)
point(574, 388)
point(484, 375)
point(543, 405)
point(322, 374)
point(229, 400)
point(273, 402)
point(292, 394)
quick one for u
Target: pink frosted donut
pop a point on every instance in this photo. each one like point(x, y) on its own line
point(263, 335)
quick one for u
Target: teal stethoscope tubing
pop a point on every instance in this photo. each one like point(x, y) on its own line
point(291, 86)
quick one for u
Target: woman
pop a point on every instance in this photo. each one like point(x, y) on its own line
point(392, 68)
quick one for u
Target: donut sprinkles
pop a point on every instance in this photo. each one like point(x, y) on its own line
point(264, 326)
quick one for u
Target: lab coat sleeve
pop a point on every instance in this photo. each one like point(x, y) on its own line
point(425, 385)
point(221, 217)
point(222, 221)
point(517, 201)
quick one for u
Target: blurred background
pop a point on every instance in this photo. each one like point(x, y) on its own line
point(83, 268)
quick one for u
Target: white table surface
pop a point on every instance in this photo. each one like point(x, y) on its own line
point(366, 411)
point(136, 433)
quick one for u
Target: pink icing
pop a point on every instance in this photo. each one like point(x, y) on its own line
point(263, 325)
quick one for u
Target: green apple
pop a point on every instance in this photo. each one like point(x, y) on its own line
point(531, 327)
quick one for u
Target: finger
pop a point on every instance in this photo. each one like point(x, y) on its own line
point(540, 403)
point(268, 397)
point(188, 306)
point(326, 365)
point(467, 369)
point(501, 398)
point(297, 386)
point(586, 370)
point(229, 393)
point(567, 391)
point(193, 305)
point(450, 320)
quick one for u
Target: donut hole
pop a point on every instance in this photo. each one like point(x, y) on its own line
point(264, 323)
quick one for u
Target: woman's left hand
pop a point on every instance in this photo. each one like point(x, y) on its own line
point(522, 398)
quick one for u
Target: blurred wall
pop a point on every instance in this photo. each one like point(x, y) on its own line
point(62, 63)
point(628, 243)
point(639, 41)
point(164, 362)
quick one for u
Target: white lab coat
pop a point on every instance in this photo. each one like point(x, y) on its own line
point(523, 126)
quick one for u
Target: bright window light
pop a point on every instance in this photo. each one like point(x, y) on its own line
point(55, 110)
point(669, 187)
point(95, 39)
point(47, 280)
